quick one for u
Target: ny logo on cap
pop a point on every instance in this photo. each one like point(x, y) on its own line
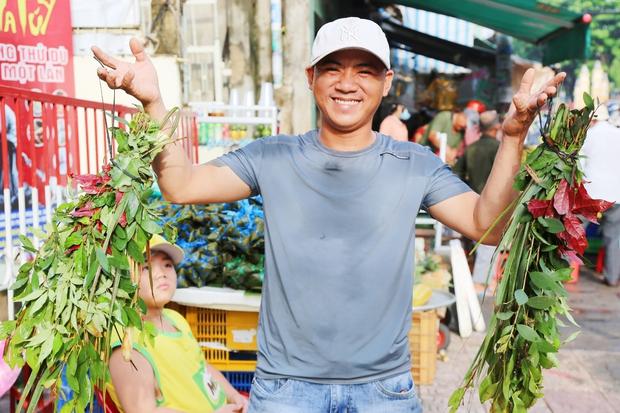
point(348, 32)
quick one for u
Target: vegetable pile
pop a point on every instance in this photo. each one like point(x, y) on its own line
point(543, 236)
point(82, 282)
point(224, 243)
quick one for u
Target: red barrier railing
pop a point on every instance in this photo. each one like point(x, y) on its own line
point(57, 135)
point(43, 139)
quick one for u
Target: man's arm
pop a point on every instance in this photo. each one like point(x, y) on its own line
point(135, 386)
point(179, 180)
point(472, 215)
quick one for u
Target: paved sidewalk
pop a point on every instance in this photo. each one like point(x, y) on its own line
point(588, 378)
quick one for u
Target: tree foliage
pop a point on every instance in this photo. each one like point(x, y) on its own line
point(605, 29)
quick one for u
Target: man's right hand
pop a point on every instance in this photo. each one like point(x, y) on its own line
point(139, 79)
point(202, 184)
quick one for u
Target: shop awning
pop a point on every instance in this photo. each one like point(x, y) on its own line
point(564, 34)
point(431, 46)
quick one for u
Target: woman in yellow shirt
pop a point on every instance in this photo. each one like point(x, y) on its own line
point(169, 374)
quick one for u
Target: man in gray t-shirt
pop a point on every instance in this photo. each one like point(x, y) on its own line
point(338, 239)
point(340, 204)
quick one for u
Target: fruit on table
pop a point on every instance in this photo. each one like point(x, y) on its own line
point(421, 294)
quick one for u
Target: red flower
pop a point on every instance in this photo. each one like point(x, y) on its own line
point(119, 197)
point(122, 221)
point(561, 200)
point(569, 202)
point(87, 210)
point(540, 207)
point(588, 207)
point(575, 234)
point(71, 249)
point(91, 184)
point(570, 256)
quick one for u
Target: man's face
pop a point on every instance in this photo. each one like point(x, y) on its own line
point(164, 280)
point(348, 86)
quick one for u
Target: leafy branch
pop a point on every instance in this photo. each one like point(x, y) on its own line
point(542, 238)
point(82, 284)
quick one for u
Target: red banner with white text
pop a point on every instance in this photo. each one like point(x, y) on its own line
point(36, 47)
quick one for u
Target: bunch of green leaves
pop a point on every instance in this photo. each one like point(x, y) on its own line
point(82, 283)
point(542, 237)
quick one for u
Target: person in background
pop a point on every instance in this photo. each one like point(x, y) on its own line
point(473, 109)
point(416, 125)
point(474, 167)
point(11, 138)
point(453, 124)
point(169, 374)
point(600, 154)
point(393, 125)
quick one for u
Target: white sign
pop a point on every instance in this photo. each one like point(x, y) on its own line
point(105, 13)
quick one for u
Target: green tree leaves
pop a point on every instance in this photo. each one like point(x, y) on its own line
point(79, 284)
point(542, 234)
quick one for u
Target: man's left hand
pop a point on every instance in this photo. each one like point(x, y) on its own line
point(525, 104)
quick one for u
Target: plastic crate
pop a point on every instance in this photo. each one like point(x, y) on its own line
point(235, 331)
point(423, 346)
point(240, 380)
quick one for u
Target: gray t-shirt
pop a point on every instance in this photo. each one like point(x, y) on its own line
point(339, 231)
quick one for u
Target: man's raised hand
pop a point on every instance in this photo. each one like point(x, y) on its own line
point(139, 79)
point(525, 104)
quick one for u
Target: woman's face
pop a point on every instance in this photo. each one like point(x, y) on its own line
point(164, 281)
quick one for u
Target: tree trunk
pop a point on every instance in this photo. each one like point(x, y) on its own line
point(238, 43)
point(293, 98)
point(261, 42)
point(165, 18)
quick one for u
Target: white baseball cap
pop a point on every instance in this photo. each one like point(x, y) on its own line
point(159, 243)
point(350, 33)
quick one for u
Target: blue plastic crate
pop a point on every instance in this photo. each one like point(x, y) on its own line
point(240, 380)
point(66, 393)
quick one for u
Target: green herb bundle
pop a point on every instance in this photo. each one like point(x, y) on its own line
point(542, 237)
point(82, 282)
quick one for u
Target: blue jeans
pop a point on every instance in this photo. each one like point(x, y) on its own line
point(395, 394)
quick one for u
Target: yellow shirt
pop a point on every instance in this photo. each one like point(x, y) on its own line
point(180, 370)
